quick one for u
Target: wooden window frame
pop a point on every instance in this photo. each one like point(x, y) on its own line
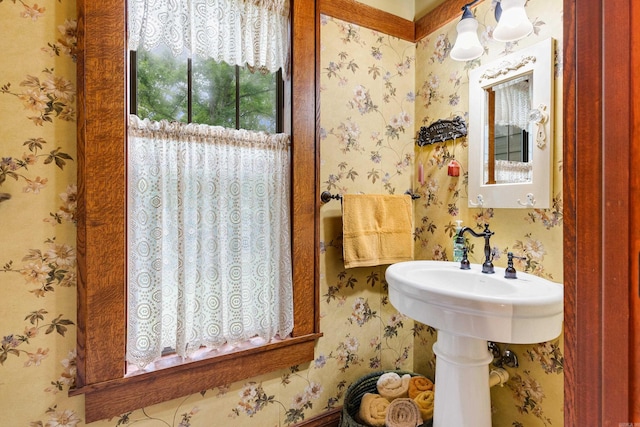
point(101, 238)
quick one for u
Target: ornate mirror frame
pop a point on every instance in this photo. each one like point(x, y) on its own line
point(536, 60)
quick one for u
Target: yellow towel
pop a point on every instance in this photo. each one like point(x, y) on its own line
point(425, 404)
point(418, 384)
point(373, 409)
point(377, 229)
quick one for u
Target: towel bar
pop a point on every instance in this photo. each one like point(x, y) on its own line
point(326, 196)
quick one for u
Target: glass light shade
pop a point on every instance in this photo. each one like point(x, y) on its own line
point(467, 46)
point(514, 23)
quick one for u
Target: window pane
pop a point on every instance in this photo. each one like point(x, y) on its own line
point(162, 85)
point(214, 93)
point(258, 101)
point(162, 92)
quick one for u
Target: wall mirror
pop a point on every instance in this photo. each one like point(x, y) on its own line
point(511, 130)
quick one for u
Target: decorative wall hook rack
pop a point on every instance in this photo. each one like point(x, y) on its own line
point(441, 131)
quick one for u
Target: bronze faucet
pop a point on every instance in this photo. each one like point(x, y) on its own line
point(487, 266)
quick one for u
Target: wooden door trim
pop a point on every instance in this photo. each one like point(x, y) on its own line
point(634, 213)
point(596, 212)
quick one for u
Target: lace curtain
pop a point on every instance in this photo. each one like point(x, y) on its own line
point(208, 238)
point(238, 32)
point(513, 103)
point(510, 172)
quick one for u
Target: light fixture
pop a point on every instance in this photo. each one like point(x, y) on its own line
point(467, 46)
point(513, 23)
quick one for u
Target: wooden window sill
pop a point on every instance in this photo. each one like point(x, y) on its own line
point(111, 398)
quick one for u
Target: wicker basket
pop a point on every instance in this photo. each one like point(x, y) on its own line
point(366, 384)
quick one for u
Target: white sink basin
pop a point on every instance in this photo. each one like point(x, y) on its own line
point(469, 308)
point(470, 303)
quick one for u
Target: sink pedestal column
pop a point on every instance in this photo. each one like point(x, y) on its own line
point(462, 396)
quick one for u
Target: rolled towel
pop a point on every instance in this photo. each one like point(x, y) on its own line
point(403, 412)
point(391, 386)
point(373, 409)
point(425, 404)
point(418, 384)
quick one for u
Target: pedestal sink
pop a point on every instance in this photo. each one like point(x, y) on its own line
point(469, 308)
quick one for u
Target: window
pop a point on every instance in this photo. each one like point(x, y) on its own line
point(204, 91)
point(101, 244)
point(511, 143)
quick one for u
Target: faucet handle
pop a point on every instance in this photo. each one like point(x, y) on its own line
point(464, 263)
point(510, 271)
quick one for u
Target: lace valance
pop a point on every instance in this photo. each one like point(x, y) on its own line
point(238, 32)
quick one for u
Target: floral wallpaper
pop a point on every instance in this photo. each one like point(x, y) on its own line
point(367, 104)
point(376, 92)
point(38, 193)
